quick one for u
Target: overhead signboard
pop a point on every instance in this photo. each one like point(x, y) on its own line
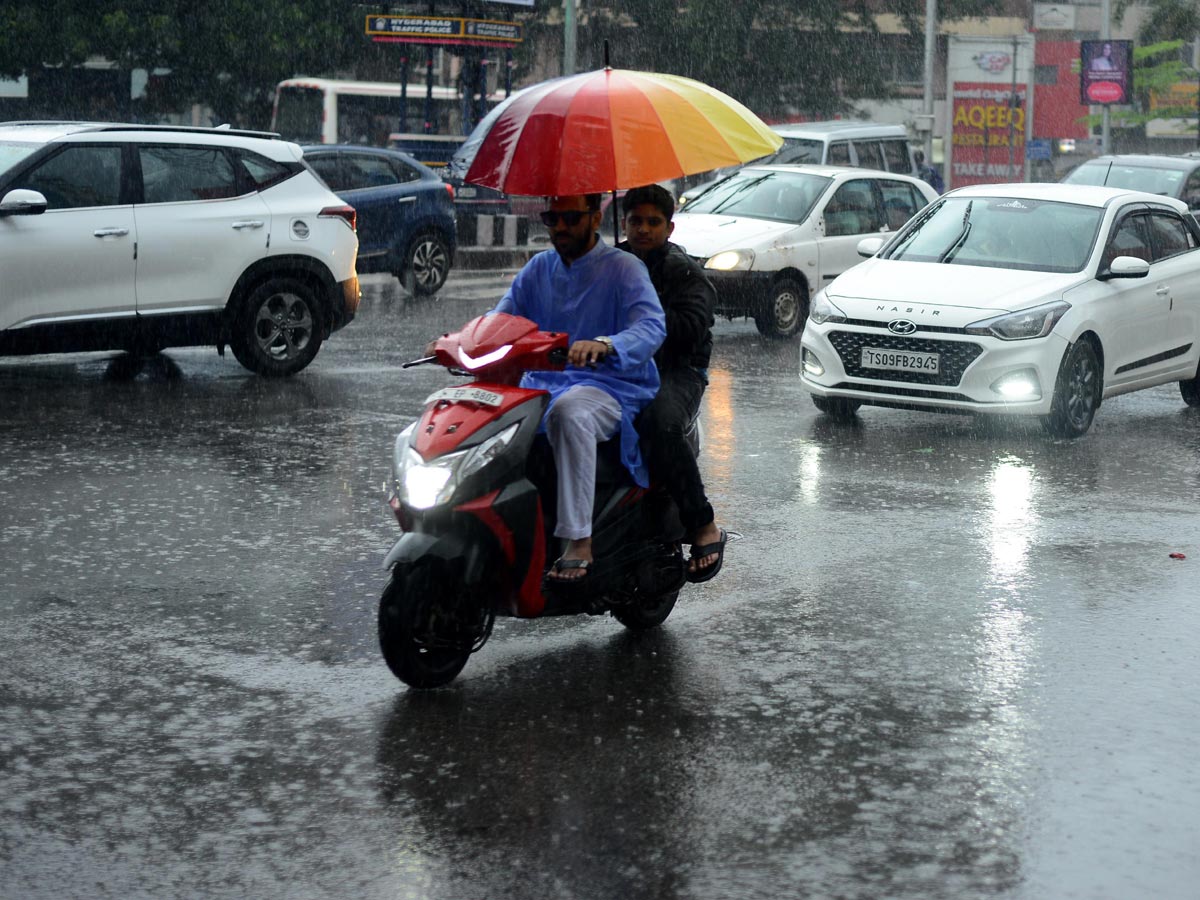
point(1053, 17)
point(1105, 71)
point(989, 91)
point(443, 30)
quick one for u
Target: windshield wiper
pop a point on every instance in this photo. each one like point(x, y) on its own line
point(949, 252)
point(907, 239)
point(720, 204)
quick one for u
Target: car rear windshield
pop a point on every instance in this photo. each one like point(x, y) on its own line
point(1002, 233)
point(12, 152)
point(1133, 178)
point(763, 194)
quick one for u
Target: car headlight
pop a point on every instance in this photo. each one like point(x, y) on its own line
point(821, 310)
point(422, 484)
point(731, 260)
point(1021, 326)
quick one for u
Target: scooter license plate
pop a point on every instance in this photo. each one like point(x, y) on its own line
point(472, 394)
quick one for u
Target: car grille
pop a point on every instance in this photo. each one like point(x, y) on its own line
point(955, 356)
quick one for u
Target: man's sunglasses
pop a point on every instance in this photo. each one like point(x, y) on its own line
point(570, 217)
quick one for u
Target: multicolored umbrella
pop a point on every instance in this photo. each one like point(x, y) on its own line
point(610, 130)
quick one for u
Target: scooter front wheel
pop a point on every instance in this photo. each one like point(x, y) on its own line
point(422, 633)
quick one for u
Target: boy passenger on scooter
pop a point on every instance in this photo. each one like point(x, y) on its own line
point(688, 299)
point(604, 300)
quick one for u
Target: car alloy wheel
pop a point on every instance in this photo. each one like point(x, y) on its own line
point(1077, 392)
point(278, 327)
point(428, 264)
point(283, 326)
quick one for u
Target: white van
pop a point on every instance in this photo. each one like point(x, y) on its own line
point(861, 145)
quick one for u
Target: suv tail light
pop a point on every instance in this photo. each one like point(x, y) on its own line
point(450, 190)
point(346, 213)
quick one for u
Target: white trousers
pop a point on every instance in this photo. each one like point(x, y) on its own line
point(581, 418)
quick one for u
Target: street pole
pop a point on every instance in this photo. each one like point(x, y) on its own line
point(1105, 34)
point(930, 56)
point(569, 29)
point(1012, 112)
point(1196, 68)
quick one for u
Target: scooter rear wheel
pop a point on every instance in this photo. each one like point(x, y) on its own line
point(646, 613)
point(420, 633)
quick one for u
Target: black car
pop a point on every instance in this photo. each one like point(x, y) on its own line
point(1171, 176)
point(405, 211)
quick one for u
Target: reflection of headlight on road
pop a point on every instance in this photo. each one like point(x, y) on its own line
point(730, 260)
point(422, 484)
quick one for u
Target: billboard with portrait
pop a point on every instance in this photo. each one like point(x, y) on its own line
point(1105, 71)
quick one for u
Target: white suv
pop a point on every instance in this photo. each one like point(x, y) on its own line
point(143, 237)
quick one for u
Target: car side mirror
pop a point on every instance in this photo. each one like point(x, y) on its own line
point(868, 247)
point(1126, 267)
point(22, 202)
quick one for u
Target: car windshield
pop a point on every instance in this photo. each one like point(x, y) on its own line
point(1001, 232)
point(12, 152)
point(1133, 178)
point(763, 194)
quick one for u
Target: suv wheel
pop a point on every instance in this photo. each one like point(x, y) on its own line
point(785, 311)
point(426, 265)
point(278, 329)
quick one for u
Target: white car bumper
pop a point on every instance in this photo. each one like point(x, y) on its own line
point(971, 373)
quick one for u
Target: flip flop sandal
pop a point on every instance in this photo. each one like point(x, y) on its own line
point(717, 547)
point(562, 565)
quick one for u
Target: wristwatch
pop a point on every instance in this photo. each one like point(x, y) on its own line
point(607, 342)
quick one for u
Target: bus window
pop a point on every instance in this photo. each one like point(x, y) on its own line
point(369, 120)
point(332, 111)
point(298, 114)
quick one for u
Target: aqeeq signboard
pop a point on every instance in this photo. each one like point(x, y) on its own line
point(989, 97)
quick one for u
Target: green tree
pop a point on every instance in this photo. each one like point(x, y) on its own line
point(224, 53)
point(775, 56)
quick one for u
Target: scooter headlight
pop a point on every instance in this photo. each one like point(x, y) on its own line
point(423, 485)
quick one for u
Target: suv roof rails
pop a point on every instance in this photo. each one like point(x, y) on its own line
point(133, 126)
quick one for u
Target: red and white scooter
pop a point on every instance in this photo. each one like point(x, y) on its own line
point(473, 488)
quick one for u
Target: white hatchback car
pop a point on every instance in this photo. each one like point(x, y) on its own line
point(1032, 299)
point(140, 237)
point(770, 237)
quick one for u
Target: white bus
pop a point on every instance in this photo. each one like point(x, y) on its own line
point(331, 111)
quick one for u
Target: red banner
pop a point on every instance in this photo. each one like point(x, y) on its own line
point(987, 130)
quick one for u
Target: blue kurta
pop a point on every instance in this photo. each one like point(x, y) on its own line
point(604, 292)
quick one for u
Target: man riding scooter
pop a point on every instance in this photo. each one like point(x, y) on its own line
point(604, 300)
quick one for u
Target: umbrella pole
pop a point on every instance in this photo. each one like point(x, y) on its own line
point(616, 233)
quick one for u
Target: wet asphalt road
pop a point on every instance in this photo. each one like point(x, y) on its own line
point(946, 661)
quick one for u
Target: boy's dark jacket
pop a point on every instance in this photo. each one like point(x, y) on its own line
point(688, 299)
